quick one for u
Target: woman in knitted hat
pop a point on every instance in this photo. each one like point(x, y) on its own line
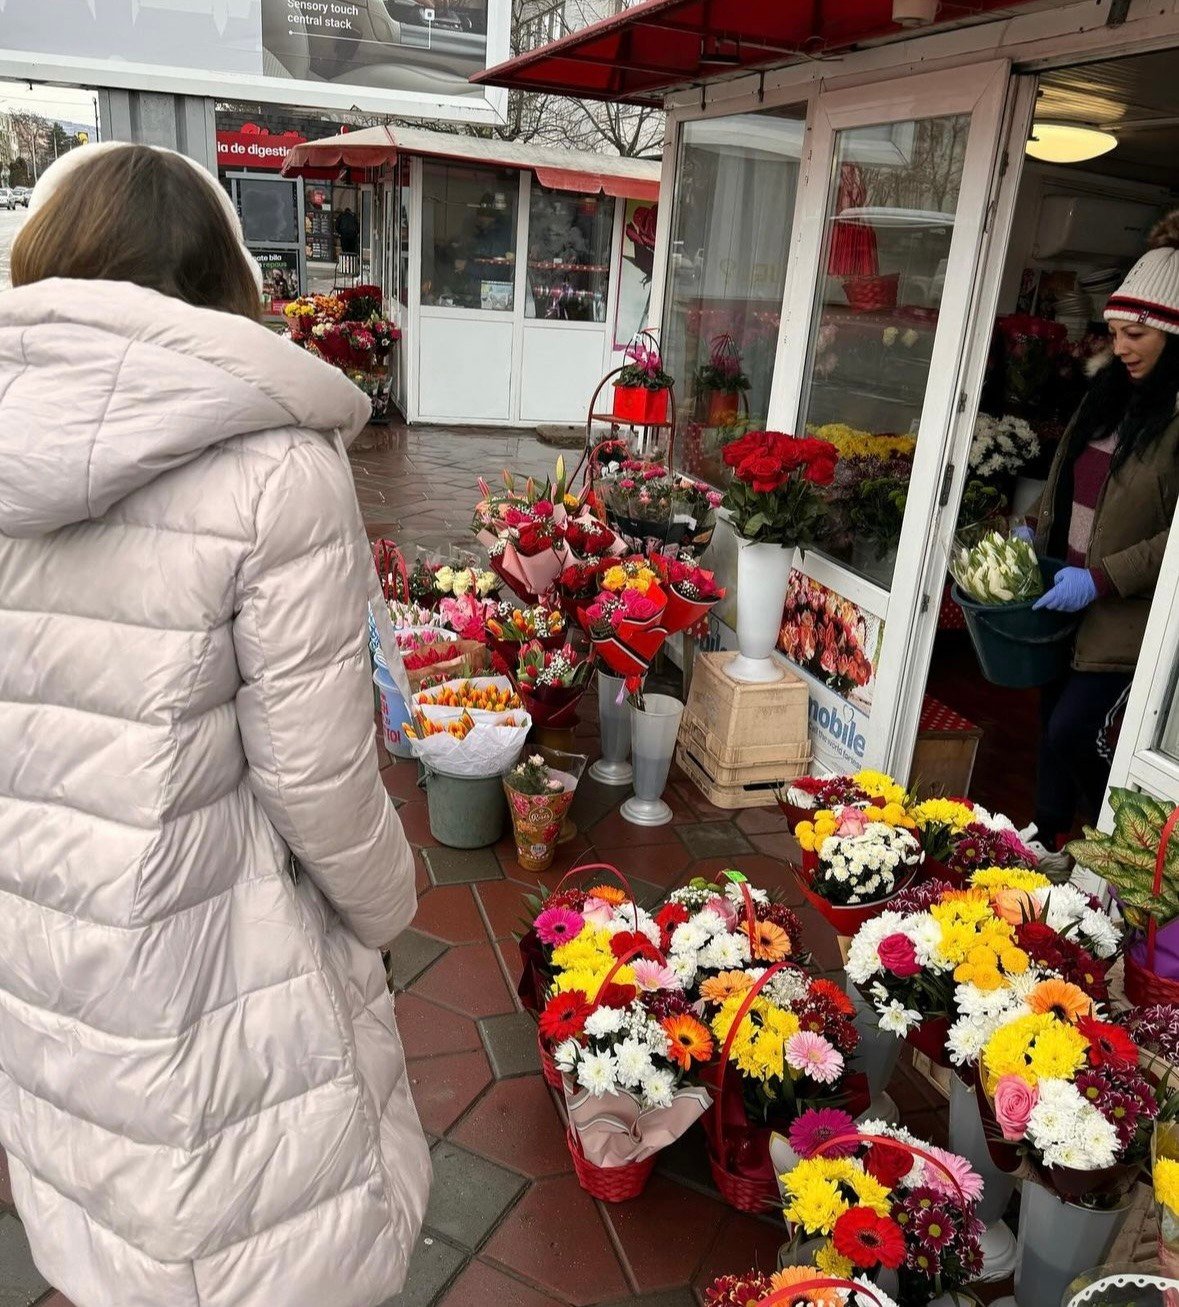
point(1107, 510)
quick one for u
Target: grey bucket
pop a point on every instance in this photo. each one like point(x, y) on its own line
point(465, 812)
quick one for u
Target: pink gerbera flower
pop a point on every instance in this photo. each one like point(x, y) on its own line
point(651, 975)
point(815, 1056)
point(813, 1129)
point(558, 925)
point(967, 1180)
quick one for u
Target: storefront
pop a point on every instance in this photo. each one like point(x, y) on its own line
point(297, 230)
point(517, 274)
point(853, 222)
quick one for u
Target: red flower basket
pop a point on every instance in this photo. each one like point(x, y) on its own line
point(548, 1067)
point(723, 407)
point(640, 405)
point(1144, 986)
point(845, 919)
point(609, 1184)
point(930, 1038)
point(872, 294)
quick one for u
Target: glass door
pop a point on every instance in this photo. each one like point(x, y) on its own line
point(884, 282)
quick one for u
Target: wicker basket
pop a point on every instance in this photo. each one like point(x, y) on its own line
point(872, 294)
point(1145, 988)
point(548, 1067)
point(609, 1184)
point(741, 1192)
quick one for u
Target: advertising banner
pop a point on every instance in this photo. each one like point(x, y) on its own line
point(834, 645)
point(638, 262)
point(392, 56)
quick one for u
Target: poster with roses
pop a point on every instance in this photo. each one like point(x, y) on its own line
point(638, 262)
point(831, 638)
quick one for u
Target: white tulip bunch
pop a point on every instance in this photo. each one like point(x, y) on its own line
point(998, 569)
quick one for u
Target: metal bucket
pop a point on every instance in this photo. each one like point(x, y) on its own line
point(465, 812)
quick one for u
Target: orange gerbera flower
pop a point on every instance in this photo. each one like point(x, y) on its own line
point(792, 1275)
point(720, 987)
point(609, 894)
point(770, 942)
point(688, 1040)
point(1062, 999)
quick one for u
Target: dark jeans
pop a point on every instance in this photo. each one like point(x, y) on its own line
point(1076, 716)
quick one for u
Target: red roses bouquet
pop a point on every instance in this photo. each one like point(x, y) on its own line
point(773, 497)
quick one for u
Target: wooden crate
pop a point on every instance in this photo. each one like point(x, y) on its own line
point(785, 761)
point(746, 794)
point(747, 724)
point(943, 759)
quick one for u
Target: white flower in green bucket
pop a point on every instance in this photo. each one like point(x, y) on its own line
point(998, 569)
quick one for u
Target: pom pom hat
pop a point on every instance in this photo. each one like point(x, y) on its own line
point(1150, 293)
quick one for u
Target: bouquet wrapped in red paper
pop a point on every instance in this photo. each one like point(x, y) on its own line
point(691, 591)
point(550, 682)
point(623, 625)
point(509, 629)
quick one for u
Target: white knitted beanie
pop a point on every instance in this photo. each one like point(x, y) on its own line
point(1150, 293)
point(77, 160)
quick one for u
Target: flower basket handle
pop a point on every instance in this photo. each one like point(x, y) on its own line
point(734, 877)
point(619, 963)
point(392, 569)
point(790, 1295)
point(742, 1012)
point(849, 1136)
point(613, 871)
point(1160, 864)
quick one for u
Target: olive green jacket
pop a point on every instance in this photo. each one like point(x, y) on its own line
point(1130, 529)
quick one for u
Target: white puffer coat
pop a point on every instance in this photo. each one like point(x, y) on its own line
point(202, 1090)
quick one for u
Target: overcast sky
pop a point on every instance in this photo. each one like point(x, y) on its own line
point(49, 101)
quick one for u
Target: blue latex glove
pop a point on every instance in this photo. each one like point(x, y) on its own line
point(1024, 532)
point(1072, 590)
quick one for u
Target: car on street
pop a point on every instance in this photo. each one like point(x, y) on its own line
point(21, 195)
point(7, 199)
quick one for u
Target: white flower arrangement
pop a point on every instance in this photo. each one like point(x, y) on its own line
point(998, 569)
point(862, 868)
point(627, 1051)
point(715, 937)
point(1001, 446)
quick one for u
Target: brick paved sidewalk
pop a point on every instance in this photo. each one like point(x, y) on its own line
point(508, 1225)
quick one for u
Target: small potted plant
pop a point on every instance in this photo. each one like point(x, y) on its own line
point(720, 382)
point(642, 388)
point(539, 796)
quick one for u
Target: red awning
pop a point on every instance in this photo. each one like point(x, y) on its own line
point(566, 170)
point(657, 45)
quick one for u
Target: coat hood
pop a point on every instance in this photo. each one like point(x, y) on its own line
point(106, 385)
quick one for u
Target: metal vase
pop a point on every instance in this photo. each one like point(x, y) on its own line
point(613, 767)
point(653, 731)
point(968, 1139)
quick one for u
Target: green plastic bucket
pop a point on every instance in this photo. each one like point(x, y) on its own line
point(465, 812)
point(1016, 646)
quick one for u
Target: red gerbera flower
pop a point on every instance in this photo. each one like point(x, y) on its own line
point(564, 1016)
point(869, 1240)
point(834, 995)
point(616, 995)
point(668, 918)
point(1108, 1044)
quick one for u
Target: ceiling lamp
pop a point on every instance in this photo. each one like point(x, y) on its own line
point(1068, 142)
point(914, 13)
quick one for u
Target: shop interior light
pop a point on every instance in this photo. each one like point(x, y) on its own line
point(1068, 142)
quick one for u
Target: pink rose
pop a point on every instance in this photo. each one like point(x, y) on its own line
point(852, 821)
point(898, 955)
point(723, 909)
point(1014, 1100)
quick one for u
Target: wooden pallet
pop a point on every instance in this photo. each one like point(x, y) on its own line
point(760, 793)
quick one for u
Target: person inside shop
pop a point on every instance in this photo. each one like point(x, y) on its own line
point(1107, 509)
point(348, 232)
point(203, 1096)
point(482, 262)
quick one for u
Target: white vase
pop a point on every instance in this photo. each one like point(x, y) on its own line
point(612, 768)
point(1057, 1242)
point(968, 1139)
point(653, 732)
point(763, 573)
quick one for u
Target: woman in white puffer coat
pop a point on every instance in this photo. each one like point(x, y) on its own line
point(203, 1094)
